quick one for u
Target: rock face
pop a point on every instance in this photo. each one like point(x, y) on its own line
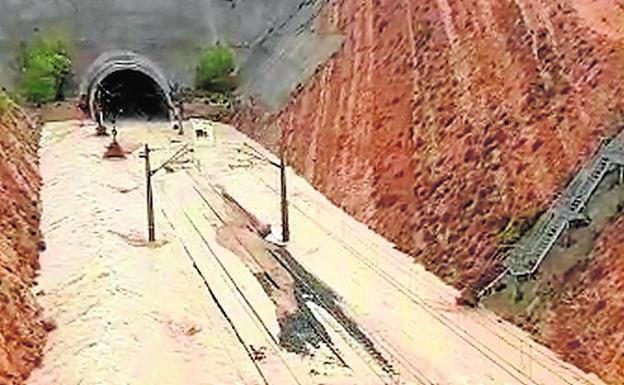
point(22, 333)
point(439, 121)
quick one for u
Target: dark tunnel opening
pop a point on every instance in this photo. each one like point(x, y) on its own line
point(131, 94)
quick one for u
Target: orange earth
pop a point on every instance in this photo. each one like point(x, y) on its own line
point(439, 121)
point(22, 332)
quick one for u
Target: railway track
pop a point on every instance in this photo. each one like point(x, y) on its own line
point(535, 351)
point(308, 292)
point(243, 316)
point(370, 347)
point(382, 343)
point(384, 376)
point(529, 349)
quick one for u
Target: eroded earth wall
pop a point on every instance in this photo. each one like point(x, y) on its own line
point(587, 319)
point(439, 121)
point(22, 332)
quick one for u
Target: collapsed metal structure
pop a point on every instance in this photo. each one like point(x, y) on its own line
point(525, 258)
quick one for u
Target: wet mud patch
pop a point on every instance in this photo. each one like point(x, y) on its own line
point(301, 330)
point(291, 287)
point(311, 289)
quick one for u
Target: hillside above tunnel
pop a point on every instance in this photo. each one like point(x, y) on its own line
point(275, 40)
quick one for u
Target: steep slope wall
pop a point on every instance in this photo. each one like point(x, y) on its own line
point(22, 332)
point(587, 319)
point(439, 121)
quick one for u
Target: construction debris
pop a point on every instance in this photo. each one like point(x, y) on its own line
point(526, 257)
point(114, 151)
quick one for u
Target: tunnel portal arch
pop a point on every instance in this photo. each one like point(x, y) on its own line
point(110, 63)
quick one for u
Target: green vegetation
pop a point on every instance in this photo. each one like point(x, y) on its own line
point(45, 69)
point(515, 228)
point(215, 70)
point(511, 233)
point(5, 103)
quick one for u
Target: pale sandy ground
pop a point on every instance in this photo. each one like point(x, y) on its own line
point(129, 313)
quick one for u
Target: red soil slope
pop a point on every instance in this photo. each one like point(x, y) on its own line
point(22, 334)
point(439, 121)
point(588, 319)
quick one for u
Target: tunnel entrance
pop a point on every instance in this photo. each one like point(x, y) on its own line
point(127, 84)
point(130, 93)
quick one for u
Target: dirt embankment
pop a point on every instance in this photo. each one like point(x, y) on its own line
point(22, 332)
point(440, 121)
point(587, 318)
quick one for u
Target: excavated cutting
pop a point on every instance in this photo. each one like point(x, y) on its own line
point(439, 122)
point(22, 332)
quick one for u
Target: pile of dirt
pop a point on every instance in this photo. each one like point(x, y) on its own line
point(22, 331)
point(439, 122)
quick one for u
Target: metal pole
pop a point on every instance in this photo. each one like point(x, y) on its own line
point(284, 195)
point(181, 118)
point(150, 198)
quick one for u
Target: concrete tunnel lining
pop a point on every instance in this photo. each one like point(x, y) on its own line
point(111, 62)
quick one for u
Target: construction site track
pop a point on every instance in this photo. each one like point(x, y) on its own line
point(372, 343)
point(362, 340)
point(444, 319)
point(349, 325)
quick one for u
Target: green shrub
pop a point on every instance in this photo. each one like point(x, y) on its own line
point(511, 233)
point(215, 68)
point(6, 104)
point(45, 68)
